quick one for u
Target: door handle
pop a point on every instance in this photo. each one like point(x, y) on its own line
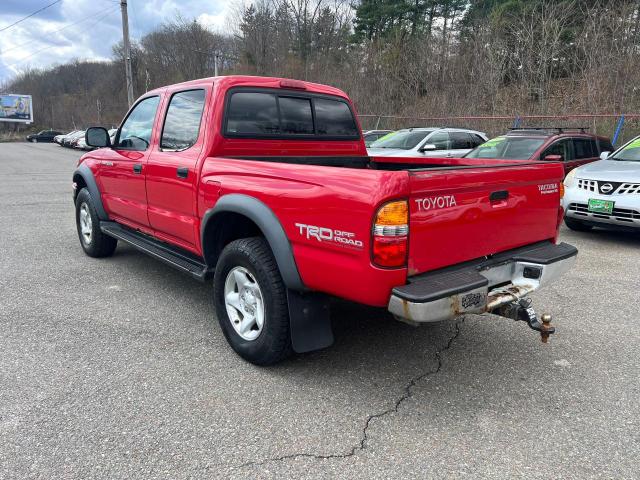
point(499, 195)
point(137, 168)
point(182, 172)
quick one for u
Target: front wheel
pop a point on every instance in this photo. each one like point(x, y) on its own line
point(93, 241)
point(577, 225)
point(251, 302)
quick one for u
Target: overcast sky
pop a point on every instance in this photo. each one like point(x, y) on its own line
point(86, 29)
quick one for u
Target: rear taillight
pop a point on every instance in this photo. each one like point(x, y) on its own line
point(390, 234)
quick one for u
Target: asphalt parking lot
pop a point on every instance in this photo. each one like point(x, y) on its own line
point(116, 368)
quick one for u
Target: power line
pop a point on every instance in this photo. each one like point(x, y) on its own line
point(29, 16)
point(54, 32)
point(52, 46)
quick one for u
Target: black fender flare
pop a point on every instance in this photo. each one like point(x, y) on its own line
point(90, 181)
point(309, 313)
point(268, 223)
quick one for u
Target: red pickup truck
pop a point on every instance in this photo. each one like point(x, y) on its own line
point(264, 186)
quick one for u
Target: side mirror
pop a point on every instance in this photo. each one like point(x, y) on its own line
point(553, 158)
point(604, 155)
point(429, 147)
point(97, 137)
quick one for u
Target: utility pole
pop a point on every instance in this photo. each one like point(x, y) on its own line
point(127, 51)
point(215, 65)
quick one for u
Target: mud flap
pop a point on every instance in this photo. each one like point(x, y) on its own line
point(310, 321)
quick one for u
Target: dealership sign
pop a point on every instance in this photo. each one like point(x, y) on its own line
point(16, 108)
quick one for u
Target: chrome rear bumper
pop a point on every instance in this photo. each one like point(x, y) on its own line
point(482, 285)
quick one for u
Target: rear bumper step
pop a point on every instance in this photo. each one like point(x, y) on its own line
point(482, 285)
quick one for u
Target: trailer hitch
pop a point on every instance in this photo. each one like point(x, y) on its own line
point(522, 311)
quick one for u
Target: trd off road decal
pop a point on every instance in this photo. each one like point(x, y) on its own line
point(547, 188)
point(323, 234)
point(435, 203)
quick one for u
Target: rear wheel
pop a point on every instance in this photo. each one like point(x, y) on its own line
point(577, 225)
point(93, 241)
point(251, 302)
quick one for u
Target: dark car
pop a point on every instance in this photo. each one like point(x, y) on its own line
point(571, 146)
point(43, 136)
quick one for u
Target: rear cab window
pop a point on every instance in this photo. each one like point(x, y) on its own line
point(282, 114)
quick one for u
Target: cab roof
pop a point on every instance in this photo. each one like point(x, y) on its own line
point(226, 82)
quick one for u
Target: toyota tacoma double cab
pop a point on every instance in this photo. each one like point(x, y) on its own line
point(264, 187)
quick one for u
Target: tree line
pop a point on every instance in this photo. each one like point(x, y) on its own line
point(402, 57)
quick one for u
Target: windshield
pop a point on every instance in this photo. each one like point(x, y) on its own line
point(402, 139)
point(630, 153)
point(507, 148)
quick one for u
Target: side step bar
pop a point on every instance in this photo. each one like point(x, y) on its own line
point(172, 256)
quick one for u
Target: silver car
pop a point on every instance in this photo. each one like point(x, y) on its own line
point(427, 142)
point(605, 193)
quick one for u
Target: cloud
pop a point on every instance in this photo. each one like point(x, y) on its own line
point(87, 29)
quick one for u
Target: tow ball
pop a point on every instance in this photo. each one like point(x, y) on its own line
point(522, 311)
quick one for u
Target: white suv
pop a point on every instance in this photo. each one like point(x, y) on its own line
point(427, 142)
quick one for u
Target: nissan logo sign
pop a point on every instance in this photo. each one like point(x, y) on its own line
point(606, 188)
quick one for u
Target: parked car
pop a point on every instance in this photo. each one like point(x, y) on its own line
point(59, 139)
point(427, 142)
point(81, 144)
point(44, 136)
point(264, 186)
point(72, 140)
point(371, 136)
point(571, 146)
point(605, 193)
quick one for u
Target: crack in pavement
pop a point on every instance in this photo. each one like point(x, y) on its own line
point(362, 445)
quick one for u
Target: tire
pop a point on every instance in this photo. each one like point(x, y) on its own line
point(94, 243)
point(242, 265)
point(576, 225)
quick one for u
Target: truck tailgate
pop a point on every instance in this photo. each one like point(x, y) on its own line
point(464, 213)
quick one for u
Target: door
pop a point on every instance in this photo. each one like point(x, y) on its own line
point(564, 148)
point(123, 167)
point(171, 173)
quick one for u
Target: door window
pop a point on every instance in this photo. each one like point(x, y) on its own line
point(477, 140)
point(182, 122)
point(583, 148)
point(460, 140)
point(440, 140)
point(135, 133)
point(562, 148)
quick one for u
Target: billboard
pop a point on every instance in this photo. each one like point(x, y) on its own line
point(16, 108)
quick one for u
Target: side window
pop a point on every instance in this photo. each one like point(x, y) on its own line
point(562, 148)
point(295, 116)
point(460, 140)
point(135, 133)
point(253, 113)
point(582, 148)
point(440, 140)
point(182, 122)
point(334, 118)
point(477, 140)
point(605, 145)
